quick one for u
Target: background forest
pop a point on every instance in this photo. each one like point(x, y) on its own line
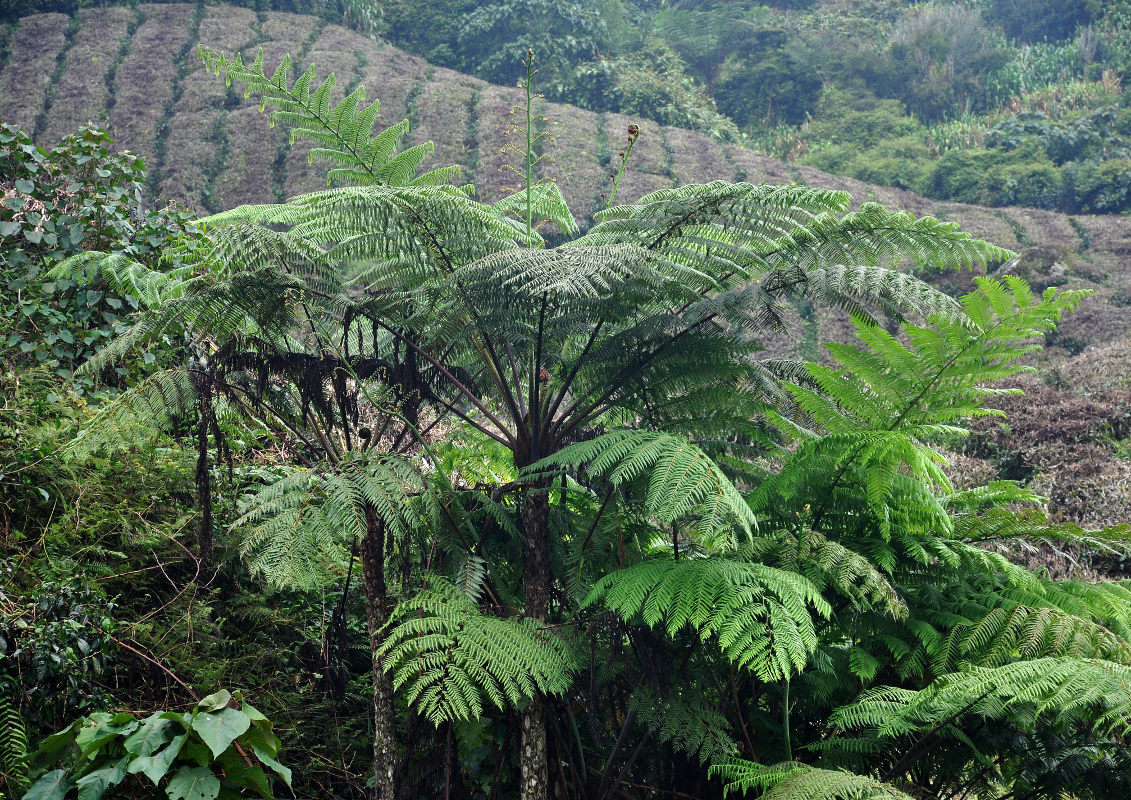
point(584, 479)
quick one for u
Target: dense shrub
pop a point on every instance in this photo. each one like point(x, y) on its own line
point(937, 58)
point(771, 85)
point(1039, 20)
point(78, 196)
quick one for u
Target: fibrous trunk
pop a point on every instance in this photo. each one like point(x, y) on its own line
point(536, 578)
point(372, 553)
point(204, 481)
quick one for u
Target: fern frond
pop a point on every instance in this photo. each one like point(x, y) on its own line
point(794, 781)
point(763, 617)
point(547, 203)
point(14, 772)
point(1091, 692)
point(688, 721)
point(125, 277)
point(449, 659)
point(300, 525)
point(342, 134)
point(681, 479)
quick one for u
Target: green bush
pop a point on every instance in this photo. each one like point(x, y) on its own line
point(1039, 20)
point(770, 85)
point(859, 118)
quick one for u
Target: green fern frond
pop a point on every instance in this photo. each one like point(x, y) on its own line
point(763, 617)
point(681, 479)
point(14, 772)
point(830, 564)
point(299, 526)
point(133, 415)
point(124, 276)
point(342, 134)
point(449, 659)
point(547, 203)
point(689, 722)
point(1092, 692)
point(794, 781)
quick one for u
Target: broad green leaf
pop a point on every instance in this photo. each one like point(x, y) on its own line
point(193, 783)
point(265, 755)
point(185, 719)
point(237, 771)
point(215, 701)
point(94, 784)
point(156, 766)
point(52, 786)
point(54, 743)
point(153, 733)
point(106, 727)
point(256, 716)
point(218, 730)
point(197, 752)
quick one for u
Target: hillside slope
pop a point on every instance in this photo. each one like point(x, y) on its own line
point(135, 72)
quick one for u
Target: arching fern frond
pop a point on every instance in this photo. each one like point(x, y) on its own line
point(763, 617)
point(124, 276)
point(133, 415)
point(14, 772)
point(449, 660)
point(547, 204)
point(831, 565)
point(343, 133)
point(1090, 692)
point(887, 400)
point(681, 479)
point(794, 781)
point(300, 525)
point(688, 721)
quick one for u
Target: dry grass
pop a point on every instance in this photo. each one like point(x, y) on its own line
point(441, 116)
point(81, 93)
point(576, 167)
point(145, 77)
point(23, 83)
point(696, 158)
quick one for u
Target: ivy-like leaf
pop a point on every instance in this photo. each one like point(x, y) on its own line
point(218, 730)
point(156, 766)
point(193, 783)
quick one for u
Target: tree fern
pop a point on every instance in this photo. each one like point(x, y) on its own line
point(449, 660)
point(762, 617)
point(887, 400)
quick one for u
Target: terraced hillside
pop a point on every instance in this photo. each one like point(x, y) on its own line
point(135, 72)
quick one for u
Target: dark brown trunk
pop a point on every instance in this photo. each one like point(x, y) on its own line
point(204, 483)
point(372, 553)
point(536, 580)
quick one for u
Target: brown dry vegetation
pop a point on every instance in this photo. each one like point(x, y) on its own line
point(1068, 437)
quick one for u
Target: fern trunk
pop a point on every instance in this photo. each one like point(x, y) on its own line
point(372, 553)
point(536, 580)
point(204, 480)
